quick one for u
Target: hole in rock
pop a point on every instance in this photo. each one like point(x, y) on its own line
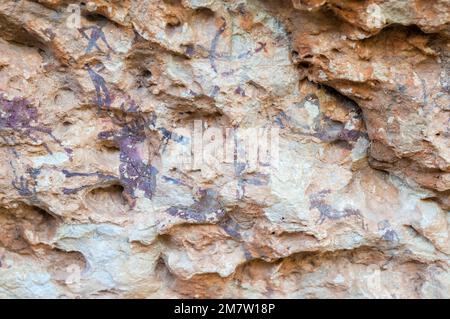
point(110, 148)
point(147, 74)
point(65, 265)
point(205, 12)
point(173, 2)
point(25, 225)
point(304, 64)
point(107, 200)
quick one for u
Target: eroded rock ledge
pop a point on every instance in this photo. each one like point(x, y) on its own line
point(98, 199)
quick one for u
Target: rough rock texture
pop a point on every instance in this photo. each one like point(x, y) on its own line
point(94, 201)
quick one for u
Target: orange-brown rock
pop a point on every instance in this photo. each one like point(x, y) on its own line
point(223, 149)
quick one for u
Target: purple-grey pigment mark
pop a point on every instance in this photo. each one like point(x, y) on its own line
point(214, 91)
point(173, 181)
point(95, 35)
point(281, 119)
point(135, 173)
point(206, 209)
point(389, 234)
point(324, 128)
point(257, 179)
point(214, 43)
point(26, 184)
point(239, 91)
point(243, 179)
point(18, 115)
point(231, 227)
point(239, 169)
point(241, 56)
point(49, 33)
point(103, 96)
point(317, 201)
point(168, 135)
point(100, 176)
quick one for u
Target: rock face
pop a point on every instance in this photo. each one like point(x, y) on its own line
point(208, 149)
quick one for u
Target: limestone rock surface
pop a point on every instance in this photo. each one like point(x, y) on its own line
point(224, 149)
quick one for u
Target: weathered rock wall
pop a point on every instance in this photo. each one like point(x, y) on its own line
point(206, 148)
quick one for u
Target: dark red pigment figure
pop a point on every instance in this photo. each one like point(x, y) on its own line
point(95, 35)
point(240, 166)
point(18, 116)
point(103, 97)
point(317, 201)
point(100, 176)
point(323, 128)
point(135, 173)
point(206, 209)
point(26, 184)
point(214, 43)
point(214, 55)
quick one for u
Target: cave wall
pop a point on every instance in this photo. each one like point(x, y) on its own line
point(224, 149)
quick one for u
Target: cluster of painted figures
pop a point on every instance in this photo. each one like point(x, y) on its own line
point(19, 117)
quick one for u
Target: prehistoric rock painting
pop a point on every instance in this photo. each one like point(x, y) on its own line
point(103, 97)
point(389, 234)
point(324, 128)
point(18, 116)
point(206, 209)
point(26, 184)
point(243, 179)
point(100, 177)
point(135, 173)
point(215, 41)
point(355, 92)
point(327, 211)
point(214, 56)
point(96, 34)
